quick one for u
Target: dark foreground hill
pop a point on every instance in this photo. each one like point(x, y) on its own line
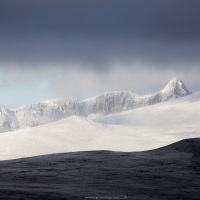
point(171, 172)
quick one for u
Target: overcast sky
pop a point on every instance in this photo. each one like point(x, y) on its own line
point(61, 48)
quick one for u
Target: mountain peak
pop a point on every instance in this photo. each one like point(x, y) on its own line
point(175, 80)
point(175, 88)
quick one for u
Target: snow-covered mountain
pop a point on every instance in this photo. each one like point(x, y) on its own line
point(174, 89)
point(126, 100)
point(103, 104)
point(46, 112)
point(8, 120)
point(134, 130)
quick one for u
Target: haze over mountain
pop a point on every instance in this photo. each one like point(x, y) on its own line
point(78, 48)
point(103, 104)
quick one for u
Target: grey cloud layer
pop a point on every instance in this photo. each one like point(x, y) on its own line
point(96, 54)
point(93, 46)
point(97, 32)
point(167, 19)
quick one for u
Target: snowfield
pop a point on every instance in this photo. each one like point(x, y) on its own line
point(136, 130)
point(101, 105)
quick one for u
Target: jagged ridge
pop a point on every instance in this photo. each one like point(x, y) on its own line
point(126, 100)
point(52, 110)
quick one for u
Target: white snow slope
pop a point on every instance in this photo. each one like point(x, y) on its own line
point(136, 130)
point(52, 110)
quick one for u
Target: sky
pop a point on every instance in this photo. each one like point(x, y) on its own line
point(80, 48)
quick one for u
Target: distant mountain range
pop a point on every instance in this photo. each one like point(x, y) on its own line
point(51, 110)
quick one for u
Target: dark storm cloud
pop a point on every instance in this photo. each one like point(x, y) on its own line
point(167, 19)
point(99, 31)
